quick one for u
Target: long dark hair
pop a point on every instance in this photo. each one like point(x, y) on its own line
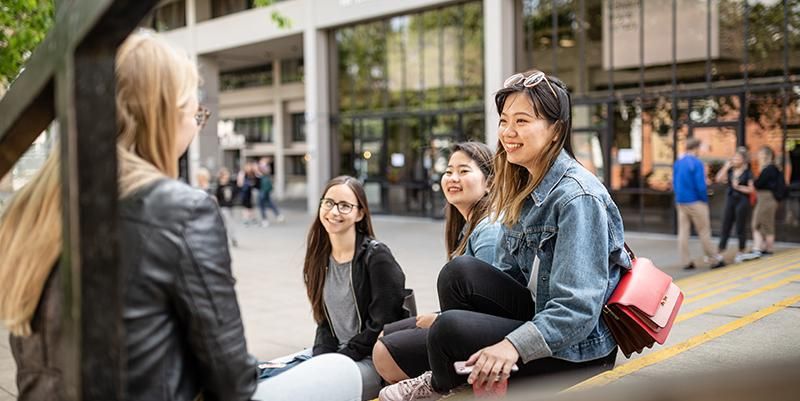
point(513, 184)
point(318, 245)
point(454, 221)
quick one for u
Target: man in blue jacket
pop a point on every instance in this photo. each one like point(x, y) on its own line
point(689, 184)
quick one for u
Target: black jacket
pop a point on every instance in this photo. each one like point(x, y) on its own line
point(183, 328)
point(379, 295)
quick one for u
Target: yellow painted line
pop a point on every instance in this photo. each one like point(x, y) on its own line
point(669, 352)
point(768, 275)
point(690, 300)
point(778, 264)
point(759, 275)
point(686, 316)
point(701, 279)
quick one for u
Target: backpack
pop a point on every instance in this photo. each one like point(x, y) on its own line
point(409, 299)
point(781, 191)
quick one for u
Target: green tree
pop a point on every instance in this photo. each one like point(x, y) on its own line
point(23, 24)
point(279, 19)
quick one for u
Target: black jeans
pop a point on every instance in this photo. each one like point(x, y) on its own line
point(737, 210)
point(480, 306)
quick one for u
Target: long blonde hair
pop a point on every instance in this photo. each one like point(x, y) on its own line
point(154, 86)
point(513, 183)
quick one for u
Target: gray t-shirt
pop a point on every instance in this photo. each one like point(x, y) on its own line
point(340, 301)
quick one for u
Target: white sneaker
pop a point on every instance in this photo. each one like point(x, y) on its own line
point(744, 257)
point(415, 389)
point(264, 223)
point(281, 218)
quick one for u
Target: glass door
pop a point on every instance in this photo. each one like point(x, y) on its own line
point(406, 182)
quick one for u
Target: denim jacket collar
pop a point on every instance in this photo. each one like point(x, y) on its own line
point(553, 176)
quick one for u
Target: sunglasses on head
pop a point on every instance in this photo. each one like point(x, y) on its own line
point(530, 81)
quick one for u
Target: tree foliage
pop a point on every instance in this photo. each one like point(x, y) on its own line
point(23, 24)
point(279, 19)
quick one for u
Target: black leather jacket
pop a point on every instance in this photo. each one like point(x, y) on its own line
point(379, 290)
point(184, 331)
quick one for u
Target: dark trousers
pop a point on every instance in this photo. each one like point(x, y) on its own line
point(737, 210)
point(480, 306)
point(265, 202)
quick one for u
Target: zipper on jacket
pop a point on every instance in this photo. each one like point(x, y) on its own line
point(353, 291)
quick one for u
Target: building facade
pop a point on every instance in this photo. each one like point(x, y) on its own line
point(379, 89)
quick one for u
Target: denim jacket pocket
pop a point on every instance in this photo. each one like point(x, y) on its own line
point(512, 240)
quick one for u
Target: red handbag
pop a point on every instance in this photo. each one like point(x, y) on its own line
point(643, 307)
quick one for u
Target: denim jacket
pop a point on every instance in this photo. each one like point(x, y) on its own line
point(572, 229)
point(483, 240)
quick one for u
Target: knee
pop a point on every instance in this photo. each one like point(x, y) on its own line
point(384, 363)
point(459, 269)
point(449, 327)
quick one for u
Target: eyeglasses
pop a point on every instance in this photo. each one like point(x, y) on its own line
point(343, 206)
point(529, 82)
point(202, 115)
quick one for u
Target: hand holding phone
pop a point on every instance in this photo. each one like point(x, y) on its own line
point(462, 368)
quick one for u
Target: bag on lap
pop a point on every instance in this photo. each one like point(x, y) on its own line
point(643, 307)
point(272, 368)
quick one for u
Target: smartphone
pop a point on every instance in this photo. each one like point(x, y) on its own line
point(462, 368)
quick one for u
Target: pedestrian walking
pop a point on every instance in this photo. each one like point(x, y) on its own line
point(247, 181)
point(265, 194)
point(184, 338)
point(737, 174)
point(691, 198)
point(559, 259)
point(226, 194)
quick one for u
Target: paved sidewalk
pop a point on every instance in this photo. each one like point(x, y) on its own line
point(268, 268)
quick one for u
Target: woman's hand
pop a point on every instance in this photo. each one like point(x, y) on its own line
point(425, 321)
point(492, 364)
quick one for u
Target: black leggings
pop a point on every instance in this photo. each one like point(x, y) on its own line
point(481, 305)
point(737, 209)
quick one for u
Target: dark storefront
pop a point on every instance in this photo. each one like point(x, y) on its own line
point(723, 71)
point(408, 87)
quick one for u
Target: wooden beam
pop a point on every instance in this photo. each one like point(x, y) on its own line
point(27, 108)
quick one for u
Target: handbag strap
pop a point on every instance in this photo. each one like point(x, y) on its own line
point(629, 251)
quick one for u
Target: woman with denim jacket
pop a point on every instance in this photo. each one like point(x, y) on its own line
point(559, 259)
point(469, 230)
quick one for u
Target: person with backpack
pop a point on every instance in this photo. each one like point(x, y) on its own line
point(770, 189)
point(353, 281)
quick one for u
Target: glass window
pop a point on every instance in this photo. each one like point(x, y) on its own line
point(763, 126)
point(298, 127)
point(793, 24)
point(472, 38)
point(167, 17)
point(292, 70)
point(225, 7)
point(765, 38)
point(246, 78)
point(431, 59)
point(537, 45)
point(731, 41)
point(254, 129)
point(474, 127)
point(297, 165)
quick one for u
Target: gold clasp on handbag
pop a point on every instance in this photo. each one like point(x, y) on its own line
point(664, 301)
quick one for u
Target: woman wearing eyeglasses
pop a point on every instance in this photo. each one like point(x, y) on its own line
point(353, 282)
point(558, 261)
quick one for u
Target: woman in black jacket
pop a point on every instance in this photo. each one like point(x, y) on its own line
point(183, 329)
point(353, 282)
point(768, 185)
